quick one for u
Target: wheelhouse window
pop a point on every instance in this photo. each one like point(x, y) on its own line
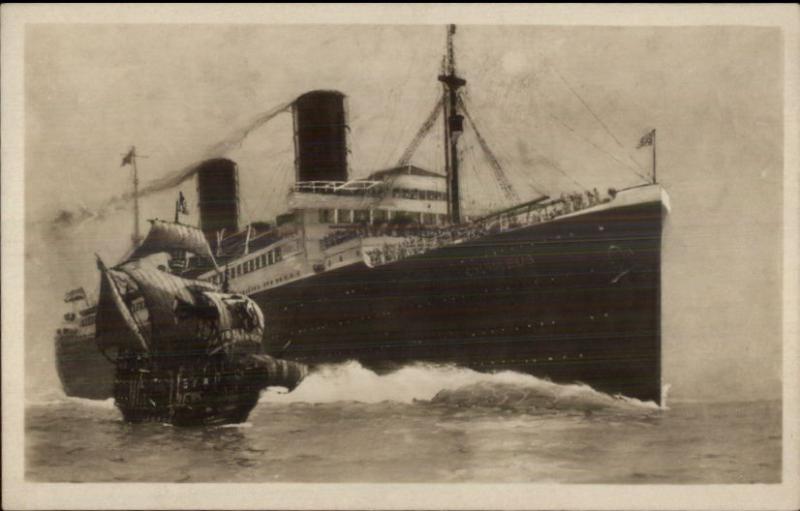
point(344, 216)
point(380, 216)
point(326, 216)
point(361, 216)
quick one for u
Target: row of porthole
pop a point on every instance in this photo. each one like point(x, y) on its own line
point(283, 278)
point(517, 361)
point(268, 283)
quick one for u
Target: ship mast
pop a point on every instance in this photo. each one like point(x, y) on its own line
point(454, 126)
point(130, 159)
point(137, 235)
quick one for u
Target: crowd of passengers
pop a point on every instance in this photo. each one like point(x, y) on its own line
point(376, 190)
point(442, 235)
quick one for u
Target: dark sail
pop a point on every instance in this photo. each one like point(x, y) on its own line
point(116, 327)
point(168, 237)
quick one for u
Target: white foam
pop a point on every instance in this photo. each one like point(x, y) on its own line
point(241, 425)
point(58, 398)
point(351, 381)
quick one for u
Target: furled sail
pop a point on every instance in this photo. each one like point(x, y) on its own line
point(169, 237)
point(278, 372)
point(240, 322)
point(116, 325)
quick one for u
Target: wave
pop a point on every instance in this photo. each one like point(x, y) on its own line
point(424, 383)
point(57, 397)
point(451, 386)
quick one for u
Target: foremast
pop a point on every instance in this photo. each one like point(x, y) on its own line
point(453, 126)
point(130, 159)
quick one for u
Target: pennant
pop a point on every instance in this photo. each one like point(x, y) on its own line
point(75, 295)
point(647, 140)
point(182, 206)
point(128, 159)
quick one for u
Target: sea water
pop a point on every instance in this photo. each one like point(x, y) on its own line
point(420, 424)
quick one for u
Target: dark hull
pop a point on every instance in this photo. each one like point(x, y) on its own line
point(573, 300)
point(206, 392)
point(83, 371)
point(226, 409)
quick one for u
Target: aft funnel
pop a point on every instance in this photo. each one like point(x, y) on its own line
point(218, 197)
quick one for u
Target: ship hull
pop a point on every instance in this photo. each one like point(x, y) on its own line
point(82, 369)
point(199, 393)
point(576, 299)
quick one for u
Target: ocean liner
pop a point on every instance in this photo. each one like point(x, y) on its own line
point(82, 369)
point(388, 270)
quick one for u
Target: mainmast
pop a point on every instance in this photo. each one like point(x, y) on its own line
point(454, 126)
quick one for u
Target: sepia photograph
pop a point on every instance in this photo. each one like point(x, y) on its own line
point(320, 252)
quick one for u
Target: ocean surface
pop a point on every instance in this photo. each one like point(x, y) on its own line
point(420, 424)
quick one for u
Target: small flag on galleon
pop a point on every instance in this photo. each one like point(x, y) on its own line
point(182, 206)
point(647, 139)
point(75, 295)
point(128, 159)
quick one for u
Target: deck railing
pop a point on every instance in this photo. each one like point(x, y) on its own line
point(336, 187)
point(420, 238)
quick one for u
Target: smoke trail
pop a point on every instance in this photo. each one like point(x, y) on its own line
point(72, 218)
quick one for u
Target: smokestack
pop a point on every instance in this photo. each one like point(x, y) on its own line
point(218, 197)
point(320, 136)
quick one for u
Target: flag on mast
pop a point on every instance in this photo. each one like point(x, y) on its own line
point(128, 159)
point(75, 295)
point(182, 206)
point(650, 140)
point(647, 139)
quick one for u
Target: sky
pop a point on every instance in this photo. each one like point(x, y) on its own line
point(562, 108)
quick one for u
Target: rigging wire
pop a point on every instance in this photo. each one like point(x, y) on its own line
point(509, 133)
point(422, 132)
point(478, 175)
point(285, 171)
point(395, 100)
point(589, 109)
point(502, 179)
point(550, 163)
point(578, 135)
